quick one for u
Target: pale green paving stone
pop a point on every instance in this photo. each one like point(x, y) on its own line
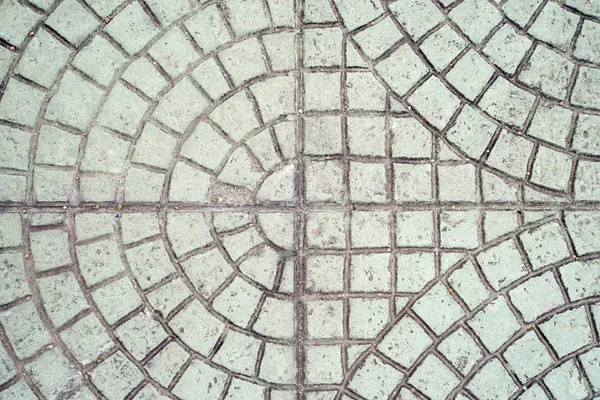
point(140, 335)
point(247, 16)
point(275, 96)
point(581, 279)
point(506, 48)
point(116, 300)
point(433, 378)
point(370, 273)
point(104, 152)
point(263, 148)
point(468, 285)
point(104, 7)
point(164, 366)
point(207, 271)
point(142, 185)
point(283, 395)
point(366, 136)
point(586, 7)
point(16, 21)
point(238, 353)
point(241, 170)
point(548, 71)
point(132, 28)
point(591, 365)
point(586, 90)
point(555, 25)
point(21, 103)
point(166, 298)
point(24, 329)
point(10, 230)
point(416, 16)
point(49, 249)
point(545, 245)
point(368, 317)
point(537, 296)
point(317, 99)
point(457, 183)
point(99, 188)
point(324, 181)
point(149, 263)
point(228, 221)
point(238, 244)
point(200, 379)
point(362, 12)
point(459, 229)
point(521, 11)
point(442, 47)
point(410, 139)
point(281, 49)
point(123, 110)
point(370, 229)
point(568, 331)
point(511, 154)
point(174, 52)
point(323, 135)
point(486, 324)
point(499, 223)
point(566, 382)
point(325, 395)
point(197, 328)
point(116, 376)
point(187, 232)
point(152, 146)
point(405, 342)
point(472, 132)
point(53, 374)
point(586, 138)
point(149, 392)
point(261, 266)
point(243, 61)
point(236, 116)
point(46, 219)
point(402, 69)
point(528, 357)
point(375, 379)
point(99, 60)
point(324, 273)
point(587, 181)
point(378, 38)
point(507, 102)
point(240, 390)
point(87, 339)
point(169, 12)
point(412, 183)
point(144, 76)
point(211, 78)
point(325, 319)
point(237, 302)
point(580, 226)
point(552, 123)
point(316, 11)
point(414, 229)
point(135, 227)
point(588, 41)
point(208, 28)
point(278, 364)
point(62, 297)
point(189, 184)
point(71, 10)
point(461, 350)
point(322, 47)
point(324, 364)
point(502, 264)
point(6, 59)
point(51, 185)
point(492, 382)
point(19, 390)
point(414, 271)
point(13, 278)
point(353, 57)
point(43, 59)
point(476, 18)
point(470, 74)
point(438, 309)
point(205, 146)
point(75, 103)
point(7, 368)
point(180, 106)
point(57, 147)
point(535, 392)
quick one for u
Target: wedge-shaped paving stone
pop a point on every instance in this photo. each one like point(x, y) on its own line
point(247, 16)
point(149, 262)
point(142, 185)
point(405, 342)
point(402, 69)
point(552, 123)
point(116, 376)
point(238, 353)
point(580, 225)
point(199, 329)
point(275, 97)
point(116, 300)
point(200, 378)
point(511, 154)
point(99, 60)
point(363, 11)
point(237, 302)
point(507, 102)
point(208, 28)
point(537, 296)
point(587, 181)
point(555, 25)
point(16, 21)
point(187, 232)
point(64, 376)
point(566, 382)
point(520, 11)
point(140, 335)
point(443, 46)
point(19, 390)
point(7, 368)
point(24, 329)
point(492, 382)
point(375, 379)
point(261, 266)
point(588, 40)
point(469, 286)
point(278, 364)
point(586, 137)
point(472, 132)
point(461, 350)
point(211, 78)
point(502, 264)
point(123, 110)
point(50, 249)
point(545, 245)
point(470, 74)
point(57, 147)
point(180, 106)
point(243, 61)
point(104, 152)
point(506, 48)
point(166, 364)
point(76, 101)
point(378, 38)
point(438, 309)
point(170, 295)
point(435, 102)
point(476, 18)
point(207, 271)
point(416, 16)
point(10, 230)
point(581, 279)
point(549, 71)
point(21, 103)
point(62, 297)
point(174, 52)
point(169, 12)
point(433, 378)
point(87, 339)
point(494, 324)
point(568, 331)
point(591, 365)
point(144, 76)
point(528, 357)
point(586, 90)
point(132, 28)
point(152, 145)
point(16, 145)
point(13, 278)
point(236, 116)
point(61, 21)
point(43, 59)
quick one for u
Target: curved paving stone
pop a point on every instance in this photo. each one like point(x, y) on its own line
point(310, 200)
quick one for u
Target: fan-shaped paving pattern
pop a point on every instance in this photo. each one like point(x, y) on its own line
point(314, 200)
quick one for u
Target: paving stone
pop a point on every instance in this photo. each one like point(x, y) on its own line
point(447, 311)
point(566, 382)
point(24, 329)
point(104, 152)
point(443, 46)
point(412, 182)
point(405, 60)
point(375, 379)
point(116, 300)
point(507, 102)
point(567, 331)
point(457, 183)
point(325, 273)
point(180, 106)
point(476, 18)
point(211, 78)
point(21, 103)
point(409, 222)
point(122, 111)
point(416, 16)
point(324, 364)
point(502, 264)
point(200, 378)
point(433, 378)
point(472, 132)
point(555, 25)
point(528, 356)
point(378, 38)
point(585, 92)
point(485, 324)
point(49, 249)
point(414, 271)
point(506, 48)
point(57, 147)
point(470, 74)
point(99, 60)
point(461, 350)
point(548, 71)
point(520, 11)
point(364, 11)
point(62, 297)
point(16, 21)
point(551, 123)
point(167, 13)
point(174, 52)
point(457, 229)
point(53, 373)
point(537, 296)
point(14, 278)
point(116, 376)
point(140, 335)
point(545, 245)
point(511, 154)
point(580, 279)
point(71, 10)
point(492, 380)
point(468, 285)
point(435, 102)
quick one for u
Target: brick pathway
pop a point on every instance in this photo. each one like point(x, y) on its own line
point(310, 200)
